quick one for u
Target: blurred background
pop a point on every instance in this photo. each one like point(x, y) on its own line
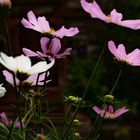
point(71, 75)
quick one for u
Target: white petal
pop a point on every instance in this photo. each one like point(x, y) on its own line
point(23, 63)
point(8, 62)
point(41, 67)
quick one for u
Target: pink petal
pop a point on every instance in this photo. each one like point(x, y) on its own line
point(97, 110)
point(133, 24)
point(115, 16)
point(29, 53)
point(31, 17)
point(41, 55)
point(55, 46)
point(133, 55)
point(9, 77)
point(4, 118)
point(66, 32)
point(43, 24)
point(44, 44)
point(120, 111)
point(26, 23)
point(112, 48)
point(62, 55)
point(121, 52)
point(110, 109)
point(32, 79)
point(93, 9)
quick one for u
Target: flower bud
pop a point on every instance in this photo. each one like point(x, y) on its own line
point(40, 137)
point(109, 98)
point(6, 3)
point(76, 122)
point(77, 135)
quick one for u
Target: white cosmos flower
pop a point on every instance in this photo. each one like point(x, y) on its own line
point(2, 90)
point(22, 64)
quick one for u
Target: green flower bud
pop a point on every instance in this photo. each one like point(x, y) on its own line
point(109, 99)
point(76, 122)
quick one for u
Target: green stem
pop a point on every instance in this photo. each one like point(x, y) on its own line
point(17, 110)
point(7, 38)
point(85, 91)
point(92, 128)
point(115, 84)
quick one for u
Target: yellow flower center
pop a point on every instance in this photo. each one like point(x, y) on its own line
point(51, 30)
point(111, 115)
point(109, 16)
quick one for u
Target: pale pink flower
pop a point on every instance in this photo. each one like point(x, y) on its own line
point(108, 113)
point(31, 79)
point(50, 49)
point(132, 58)
point(114, 17)
point(41, 25)
point(6, 122)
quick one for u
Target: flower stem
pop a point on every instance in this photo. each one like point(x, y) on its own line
point(85, 91)
point(115, 84)
point(7, 38)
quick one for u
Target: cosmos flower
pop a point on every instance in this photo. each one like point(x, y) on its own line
point(114, 17)
point(21, 65)
point(6, 3)
point(2, 90)
point(108, 113)
point(41, 25)
point(132, 58)
point(6, 122)
point(30, 80)
point(50, 49)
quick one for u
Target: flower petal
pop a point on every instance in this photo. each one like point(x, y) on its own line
point(23, 63)
point(44, 41)
point(55, 46)
point(8, 62)
point(29, 53)
point(93, 9)
point(66, 32)
point(9, 77)
point(115, 16)
point(41, 66)
point(120, 111)
point(133, 24)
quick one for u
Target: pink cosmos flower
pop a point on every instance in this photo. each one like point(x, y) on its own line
point(50, 49)
point(31, 79)
point(132, 58)
point(114, 17)
point(6, 122)
point(41, 25)
point(109, 113)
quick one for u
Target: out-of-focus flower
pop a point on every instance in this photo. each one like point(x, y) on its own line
point(2, 90)
point(31, 79)
point(21, 65)
point(6, 122)
point(5, 3)
point(108, 113)
point(77, 135)
point(114, 17)
point(132, 58)
point(40, 137)
point(50, 49)
point(73, 99)
point(41, 25)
